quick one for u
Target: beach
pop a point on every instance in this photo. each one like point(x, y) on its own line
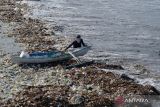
point(50, 84)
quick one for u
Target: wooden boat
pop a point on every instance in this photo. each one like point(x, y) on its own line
point(53, 56)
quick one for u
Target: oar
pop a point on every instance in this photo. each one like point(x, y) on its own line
point(78, 61)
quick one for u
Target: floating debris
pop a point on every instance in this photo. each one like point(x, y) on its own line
point(125, 77)
point(141, 69)
point(58, 28)
point(109, 66)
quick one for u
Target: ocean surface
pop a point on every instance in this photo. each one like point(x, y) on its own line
point(126, 30)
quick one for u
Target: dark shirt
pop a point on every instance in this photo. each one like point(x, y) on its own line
point(76, 44)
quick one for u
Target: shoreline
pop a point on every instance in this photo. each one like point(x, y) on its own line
point(56, 77)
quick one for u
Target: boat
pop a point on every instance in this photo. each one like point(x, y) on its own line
point(52, 56)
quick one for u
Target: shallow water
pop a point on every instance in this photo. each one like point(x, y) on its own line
point(124, 29)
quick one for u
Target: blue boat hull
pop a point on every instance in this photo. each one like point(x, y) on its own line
point(44, 57)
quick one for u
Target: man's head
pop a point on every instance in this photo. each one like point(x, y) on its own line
point(78, 38)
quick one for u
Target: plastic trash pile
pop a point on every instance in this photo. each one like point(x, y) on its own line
point(87, 87)
point(10, 12)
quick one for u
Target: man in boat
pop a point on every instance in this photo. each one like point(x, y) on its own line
point(77, 43)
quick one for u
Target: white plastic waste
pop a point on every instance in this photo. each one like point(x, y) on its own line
point(24, 54)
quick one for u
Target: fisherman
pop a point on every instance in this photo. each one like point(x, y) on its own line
point(77, 43)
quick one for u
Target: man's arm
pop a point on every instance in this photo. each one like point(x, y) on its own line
point(69, 46)
point(82, 42)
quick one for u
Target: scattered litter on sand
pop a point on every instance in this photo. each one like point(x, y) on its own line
point(46, 85)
